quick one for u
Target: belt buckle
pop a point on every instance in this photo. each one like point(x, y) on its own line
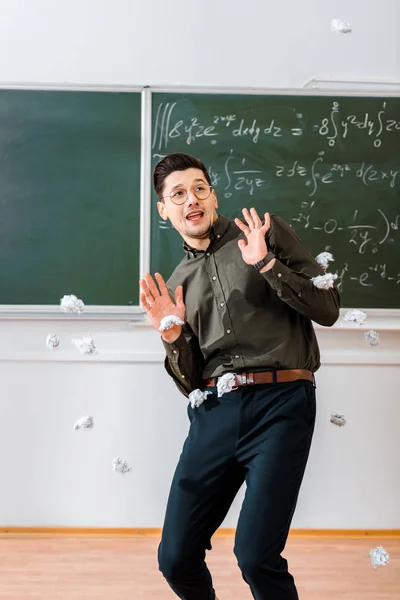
point(242, 379)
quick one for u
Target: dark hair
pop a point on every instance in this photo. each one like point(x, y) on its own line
point(175, 162)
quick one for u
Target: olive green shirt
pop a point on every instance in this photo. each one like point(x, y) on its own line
point(238, 319)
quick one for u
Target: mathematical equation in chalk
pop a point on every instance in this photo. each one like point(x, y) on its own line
point(341, 190)
point(365, 237)
point(335, 126)
point(372, 276)
point(320, 173)
point(238, 176)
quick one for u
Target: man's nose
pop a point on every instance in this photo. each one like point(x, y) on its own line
point(191, 198)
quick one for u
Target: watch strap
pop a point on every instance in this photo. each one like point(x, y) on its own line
point(264, 261)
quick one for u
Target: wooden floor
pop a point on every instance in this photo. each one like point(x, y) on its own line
point(58, 568)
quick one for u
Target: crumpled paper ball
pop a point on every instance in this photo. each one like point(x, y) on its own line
point(339, 26)
point(72, 304)
point(324, 258)
point(372, 337)
point(84, 423)
point(324, 282)
point(225, 384)
point(170, 321)
point(355, 316)
point(52, 341)
point(379, 557)
point(197, 397)
point(338, 420)
point(85, 345)
point(120, 465)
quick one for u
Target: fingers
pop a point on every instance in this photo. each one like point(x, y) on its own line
point(242, 245)
point(253, 221)
point(267, 222)
point(256, 218)
point(145, 294)
point(248, 218)
point(179, 296)
point(144, 302)
point(252, 218)
point(149, 289)
point(161, 284)
point(154, 291)
point(242, 226)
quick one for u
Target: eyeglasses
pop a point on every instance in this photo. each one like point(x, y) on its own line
point(180, 195)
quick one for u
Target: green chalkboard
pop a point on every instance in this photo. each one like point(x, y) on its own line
point(329, 165)
point(69, 196)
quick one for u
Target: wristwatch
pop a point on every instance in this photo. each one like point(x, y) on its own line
point(264, 261)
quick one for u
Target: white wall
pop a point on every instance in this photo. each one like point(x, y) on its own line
point(52, 476)
point(208, 42)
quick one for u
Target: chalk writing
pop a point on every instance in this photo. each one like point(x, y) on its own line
point(321, 173)
point(334, 128)
point(240, 178)
point(331, 172)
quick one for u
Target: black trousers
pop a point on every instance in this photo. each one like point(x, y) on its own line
point(260, 435)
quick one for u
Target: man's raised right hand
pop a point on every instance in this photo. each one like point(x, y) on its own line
point(157, 303)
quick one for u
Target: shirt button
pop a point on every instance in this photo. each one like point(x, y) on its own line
point(207, 254)
point(237, 356)
point(279, 274)
point(222, 304)
point(214, 278)
point(218, 236)
point(228, 331)
point(183, 377)
point(175, 351)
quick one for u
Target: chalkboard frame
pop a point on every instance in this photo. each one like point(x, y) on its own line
point(91, 312)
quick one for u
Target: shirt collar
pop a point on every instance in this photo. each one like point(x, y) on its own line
point(217, 231)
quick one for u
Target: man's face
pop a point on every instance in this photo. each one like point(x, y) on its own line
point(194, 218)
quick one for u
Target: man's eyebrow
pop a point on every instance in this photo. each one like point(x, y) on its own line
point(178, 185)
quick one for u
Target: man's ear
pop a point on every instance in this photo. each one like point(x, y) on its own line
point(162, 210)
point(215, 199)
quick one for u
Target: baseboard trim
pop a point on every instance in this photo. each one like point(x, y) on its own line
point(155, 532)
point(345, 533)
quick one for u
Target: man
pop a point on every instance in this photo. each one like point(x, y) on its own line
point(245, 294)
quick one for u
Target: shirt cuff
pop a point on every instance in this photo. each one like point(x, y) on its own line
point(279, 274)
point(175, 348)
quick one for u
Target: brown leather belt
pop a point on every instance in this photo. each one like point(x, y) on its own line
point(283, 376)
